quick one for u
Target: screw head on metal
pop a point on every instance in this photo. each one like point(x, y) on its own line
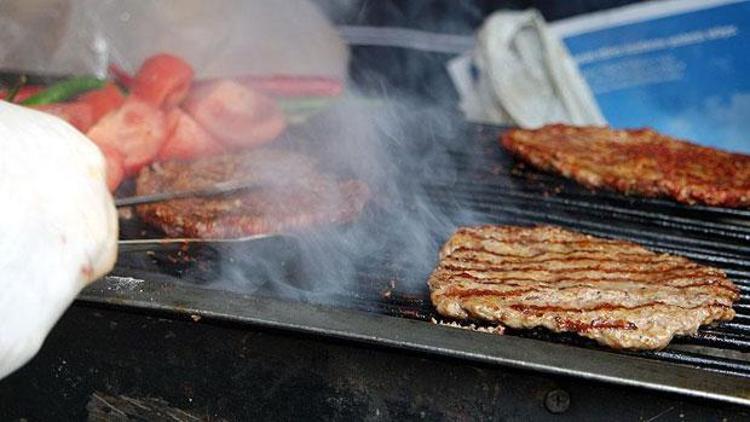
point(557, 401)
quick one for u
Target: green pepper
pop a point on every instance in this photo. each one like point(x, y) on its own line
point(65, 90)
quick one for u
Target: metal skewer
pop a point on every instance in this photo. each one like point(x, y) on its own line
point(213, 190)
point(126, 245)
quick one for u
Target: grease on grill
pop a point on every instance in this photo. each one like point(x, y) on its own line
point(482, 328)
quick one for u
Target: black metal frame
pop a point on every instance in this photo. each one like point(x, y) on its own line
point(517, 352)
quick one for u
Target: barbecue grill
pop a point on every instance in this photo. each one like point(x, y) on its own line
point(160, 326)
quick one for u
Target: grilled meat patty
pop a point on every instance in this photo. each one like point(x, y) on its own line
point(639, 161)
point(289, 193)
point(615, 292)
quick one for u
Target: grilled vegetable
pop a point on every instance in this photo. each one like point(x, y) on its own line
point(64, 90)
point(137, 130)
point(76, 113)
point(115, 171)
point(102, 101)
point(186, 139)
point(23, 93)
point(236, 115)
point(121, 76)
point(163, 81)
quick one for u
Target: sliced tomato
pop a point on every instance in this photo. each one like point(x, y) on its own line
point(234, 114)
point(77, 114)
point(163, 80)
point(293, 86)
point(102, 101)
point(137, 130)
point(187, 140)
point(115, 170)
point(23, 93)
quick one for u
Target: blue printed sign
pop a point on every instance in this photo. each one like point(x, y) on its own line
point(681, 67)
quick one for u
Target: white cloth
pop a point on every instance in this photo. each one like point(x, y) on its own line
point(523, 75)
point(58, 226)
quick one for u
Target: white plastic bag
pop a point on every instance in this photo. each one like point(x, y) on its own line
point(218, 37)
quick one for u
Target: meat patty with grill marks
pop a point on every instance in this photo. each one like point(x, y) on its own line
point(615, 292)
point(640, 161)
point(289, 193)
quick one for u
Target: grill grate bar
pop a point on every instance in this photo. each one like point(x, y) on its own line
point(487, 194)
point(541, 182)
point(718, 330)
point(744, 318)
point(736, 327)
point(716, 236)
point(741, 276)
point(727, 366)
point(730, 336)
point(716, 247)
point(654, 241)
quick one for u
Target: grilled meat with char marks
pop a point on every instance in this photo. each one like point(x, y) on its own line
point(639, 161)
point(289, 193)
point(615, 292)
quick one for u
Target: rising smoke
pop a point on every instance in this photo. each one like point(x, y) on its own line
point(401, 148)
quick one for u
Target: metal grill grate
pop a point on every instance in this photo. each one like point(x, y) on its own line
point(496, 189)
point(502, 191)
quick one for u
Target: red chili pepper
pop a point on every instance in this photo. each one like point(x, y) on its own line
point(121, 76)
point(293, 86)
point(23, 93)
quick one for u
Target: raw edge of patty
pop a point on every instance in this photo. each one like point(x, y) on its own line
point(646, 312)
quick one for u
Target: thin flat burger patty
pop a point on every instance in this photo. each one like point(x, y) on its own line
point(291, 194)
point(615, 292)
point(639, 161)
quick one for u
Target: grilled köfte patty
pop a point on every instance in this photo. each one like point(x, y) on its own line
point(291, 194)
point(639, 161)
point(615, 292)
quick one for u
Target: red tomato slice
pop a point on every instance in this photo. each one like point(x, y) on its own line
point(137, 130)
point(293, 86)
point(163, 80)
point(234, 114)
point(77, 114)
point(115, 171)
point(187, 139)
point(102, 101)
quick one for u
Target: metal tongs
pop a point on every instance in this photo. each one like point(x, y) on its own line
point(131, 245)
point(214, 190)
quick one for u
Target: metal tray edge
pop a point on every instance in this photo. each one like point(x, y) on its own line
point(414, 335)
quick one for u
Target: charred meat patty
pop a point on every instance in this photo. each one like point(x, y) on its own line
point(289, 193)
point(641, 162)
point(614, 292)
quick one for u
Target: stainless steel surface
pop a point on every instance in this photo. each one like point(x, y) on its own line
point(601, 365)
